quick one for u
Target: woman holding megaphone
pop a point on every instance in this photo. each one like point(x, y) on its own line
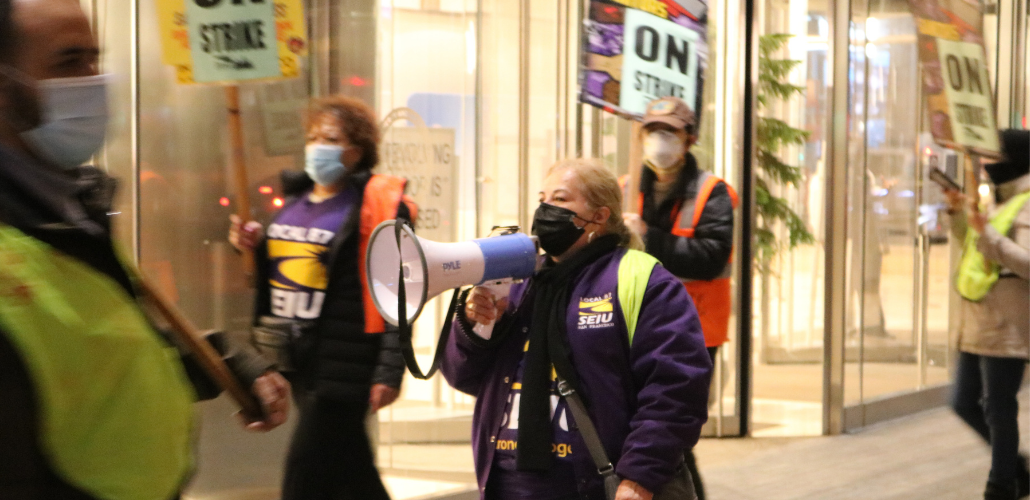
point(628, 391)
point(313, 312)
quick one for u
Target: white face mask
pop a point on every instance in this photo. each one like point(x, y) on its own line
point(74, 120)
point(663, 150)
point(322, 163)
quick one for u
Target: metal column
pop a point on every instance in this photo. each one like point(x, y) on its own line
point(524, 32)
point(836, 226)
point(745, 282)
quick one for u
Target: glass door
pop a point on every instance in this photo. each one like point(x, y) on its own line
point(789, 294)
point(899, 298)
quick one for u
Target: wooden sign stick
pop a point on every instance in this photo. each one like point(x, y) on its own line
point(636, 162)
point(239, 168)
point(208, 358)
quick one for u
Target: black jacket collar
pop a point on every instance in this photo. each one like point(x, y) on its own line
point(64, 209)
point(34, 195)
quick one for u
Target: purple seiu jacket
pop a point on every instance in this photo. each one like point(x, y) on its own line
point(648, 400)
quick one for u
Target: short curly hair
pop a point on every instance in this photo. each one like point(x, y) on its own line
point(358, 122)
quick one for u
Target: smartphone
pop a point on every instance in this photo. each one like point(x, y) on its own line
point(943, 180)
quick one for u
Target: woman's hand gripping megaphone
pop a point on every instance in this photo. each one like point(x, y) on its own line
point(485, 304)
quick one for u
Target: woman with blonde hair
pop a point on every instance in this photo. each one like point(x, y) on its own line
point(626, 346)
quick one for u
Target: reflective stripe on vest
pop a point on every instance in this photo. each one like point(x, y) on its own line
point(976, 276)
point(712, 298)
point(115, 408)
point(688, 219)
point(634, 273)
point(382, 194)
point(684, 221)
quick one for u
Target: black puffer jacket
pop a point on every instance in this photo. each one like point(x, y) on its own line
point(337, 359)
point(703, 256)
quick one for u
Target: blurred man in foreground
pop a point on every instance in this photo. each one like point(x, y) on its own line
point(94, 402)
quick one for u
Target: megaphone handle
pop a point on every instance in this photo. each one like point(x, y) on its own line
point(499, 290)
point(484, 330)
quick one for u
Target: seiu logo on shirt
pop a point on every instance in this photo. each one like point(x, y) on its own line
point(596, 312)
point(299, 280)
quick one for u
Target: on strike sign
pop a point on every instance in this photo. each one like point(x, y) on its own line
point(956, 88)
point(660, 60)
point(635, 51)
point(232, 40)
point(969, 94)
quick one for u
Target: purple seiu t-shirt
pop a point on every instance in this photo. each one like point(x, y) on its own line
point(298, 253)
point(506, 482)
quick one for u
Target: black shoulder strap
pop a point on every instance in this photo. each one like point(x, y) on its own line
point(590, 438)
point(402, 319)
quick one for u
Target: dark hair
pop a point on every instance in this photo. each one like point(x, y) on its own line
point(8, 35)
point(357, 120)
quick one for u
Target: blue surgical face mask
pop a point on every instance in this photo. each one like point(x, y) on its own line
point(322, 163)
point(74, 120)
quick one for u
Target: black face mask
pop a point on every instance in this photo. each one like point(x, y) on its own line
point(555, 228)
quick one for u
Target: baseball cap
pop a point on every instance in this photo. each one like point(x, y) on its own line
point(671, 111)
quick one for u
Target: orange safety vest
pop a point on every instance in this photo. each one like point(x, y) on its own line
point(379, 204)
point(713, 299)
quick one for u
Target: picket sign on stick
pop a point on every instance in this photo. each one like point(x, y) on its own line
point(225, 42)
point(972, 182)
point(636, 52)
point(957, 92)
point(636, 161)
point(238, 165)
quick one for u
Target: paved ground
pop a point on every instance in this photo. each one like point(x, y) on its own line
point(928, 456)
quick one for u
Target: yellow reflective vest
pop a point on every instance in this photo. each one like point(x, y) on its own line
point(976, 275)
point(115, 408)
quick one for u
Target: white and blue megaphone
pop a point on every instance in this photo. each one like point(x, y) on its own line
point(431, 268)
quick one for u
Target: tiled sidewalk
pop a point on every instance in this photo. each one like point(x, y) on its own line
point(928, 456)
point(931, 456)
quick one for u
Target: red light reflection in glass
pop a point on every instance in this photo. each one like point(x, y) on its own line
point(265, 190)
point(278, 202)
point(223, 201)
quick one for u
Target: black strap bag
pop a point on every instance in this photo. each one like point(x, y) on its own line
point(680, 487)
